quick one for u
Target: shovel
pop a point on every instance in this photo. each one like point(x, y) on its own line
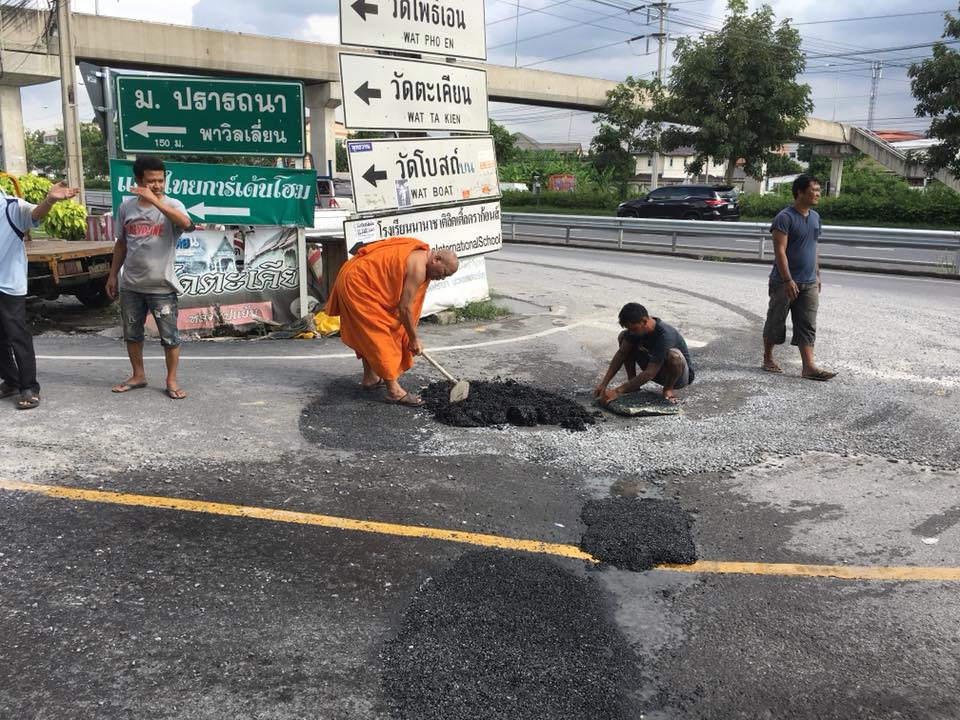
point(461, 388)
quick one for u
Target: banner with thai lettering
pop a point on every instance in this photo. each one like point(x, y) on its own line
point(231, 194)
point(237, 276)
point(465, 229)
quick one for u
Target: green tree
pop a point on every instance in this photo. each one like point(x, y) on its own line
point(94, 149)
point(629, 124)
point(783, 165)
point(504, 143)
point(610, 160)
point(734, 94)
point(47, 159)
point(935, 83)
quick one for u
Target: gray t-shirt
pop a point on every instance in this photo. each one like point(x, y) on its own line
point(151, 246)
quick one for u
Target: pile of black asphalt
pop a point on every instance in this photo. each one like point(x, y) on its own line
point(638, 533)
point(502, 402)
point(500, 636)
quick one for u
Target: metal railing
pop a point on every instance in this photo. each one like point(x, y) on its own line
point(679, 236)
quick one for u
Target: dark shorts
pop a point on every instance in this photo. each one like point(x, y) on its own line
point(134, 307)
point(803, 313)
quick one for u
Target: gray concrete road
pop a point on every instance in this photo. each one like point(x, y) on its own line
point(118, 602)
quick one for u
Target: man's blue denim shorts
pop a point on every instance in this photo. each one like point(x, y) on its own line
point(134, 307)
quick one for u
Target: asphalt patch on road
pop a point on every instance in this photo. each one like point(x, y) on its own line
point(506, 402)
point(500, 636)
point(638, 533)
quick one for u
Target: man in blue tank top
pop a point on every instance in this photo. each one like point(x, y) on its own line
point(794, 285)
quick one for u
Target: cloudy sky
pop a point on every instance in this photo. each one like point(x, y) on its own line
point(596, 38)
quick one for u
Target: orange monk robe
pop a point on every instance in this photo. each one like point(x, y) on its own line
point(366, 296)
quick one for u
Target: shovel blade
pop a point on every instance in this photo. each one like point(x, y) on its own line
point(460, 391)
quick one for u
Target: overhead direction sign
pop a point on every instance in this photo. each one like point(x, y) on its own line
point(465, 229)
point(455, 28)
point(388, 93)
point(209, 116)
point(231, 194)
point(404, 174)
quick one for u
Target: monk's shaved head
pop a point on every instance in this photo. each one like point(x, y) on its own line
point(442, 264)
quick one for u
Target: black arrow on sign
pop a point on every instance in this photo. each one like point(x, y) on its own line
point(365, 92)
point(364, 8)
point(372, 175)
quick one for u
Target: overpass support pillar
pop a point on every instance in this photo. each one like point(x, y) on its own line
point(13, 152)
point(836, 175)
point(323, 100)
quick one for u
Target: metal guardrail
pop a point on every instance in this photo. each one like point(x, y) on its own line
point(577, 228)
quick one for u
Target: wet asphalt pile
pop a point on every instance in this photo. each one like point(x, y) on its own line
point(502, 402)
point(638, 533)
point(516, 637)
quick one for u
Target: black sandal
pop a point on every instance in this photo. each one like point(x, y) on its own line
point(28, 400)
point(8, 391)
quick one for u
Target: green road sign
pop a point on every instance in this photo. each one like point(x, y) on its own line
point(231, 194)
point(206, 116)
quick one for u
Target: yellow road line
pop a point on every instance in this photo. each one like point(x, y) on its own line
point(301, 518)
point(844, 572)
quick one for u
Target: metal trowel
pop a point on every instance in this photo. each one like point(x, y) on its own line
point(461, 388)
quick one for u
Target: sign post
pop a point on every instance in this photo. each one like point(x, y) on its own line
point(388, 93)
point(403, 174)
point(455, 31)
point(209, 116)
point(231, 194)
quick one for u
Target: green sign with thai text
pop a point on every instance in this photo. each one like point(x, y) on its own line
point(209, 116)
point(231, 194)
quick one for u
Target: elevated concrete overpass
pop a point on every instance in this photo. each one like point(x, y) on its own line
point(134, 44)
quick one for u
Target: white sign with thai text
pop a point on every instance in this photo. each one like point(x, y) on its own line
point(453, 28)
point(405, 174)
point(388, 93)
point(465, 229)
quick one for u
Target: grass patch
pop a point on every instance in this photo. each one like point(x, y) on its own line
point(481, 310)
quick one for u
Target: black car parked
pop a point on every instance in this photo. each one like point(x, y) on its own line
point(685, 202)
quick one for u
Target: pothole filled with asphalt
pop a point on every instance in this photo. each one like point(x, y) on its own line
point(638, 533)
point(499, 636)
point(506, 402)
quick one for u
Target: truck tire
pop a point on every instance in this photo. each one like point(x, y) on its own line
point(94, 295)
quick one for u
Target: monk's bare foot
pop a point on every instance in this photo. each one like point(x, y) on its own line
point(771, 366)
point(669, 397)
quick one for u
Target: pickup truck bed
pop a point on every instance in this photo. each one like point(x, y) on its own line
point(59, 267)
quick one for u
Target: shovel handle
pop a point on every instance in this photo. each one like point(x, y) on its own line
point(438, 366)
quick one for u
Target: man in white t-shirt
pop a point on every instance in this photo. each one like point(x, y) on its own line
point(18, 362)
point(148, 227)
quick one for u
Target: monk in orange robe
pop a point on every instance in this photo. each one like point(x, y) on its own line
point(378, 296)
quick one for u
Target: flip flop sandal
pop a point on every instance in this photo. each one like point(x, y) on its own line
point(407, 400)
point(8, 391)
point(175, 393)
point(820, 375)
point(373, 386)
point(774, 368)
point(28, 400)
point(127, 387)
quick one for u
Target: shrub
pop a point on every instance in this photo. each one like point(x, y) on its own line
point(578, 200)
point(34, 187)
point(67, 220)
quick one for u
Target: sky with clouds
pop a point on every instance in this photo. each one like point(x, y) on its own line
point(605, 39)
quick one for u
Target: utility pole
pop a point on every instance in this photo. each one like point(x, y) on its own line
point(661, 36)
point(876, 72)
point(68, 93)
